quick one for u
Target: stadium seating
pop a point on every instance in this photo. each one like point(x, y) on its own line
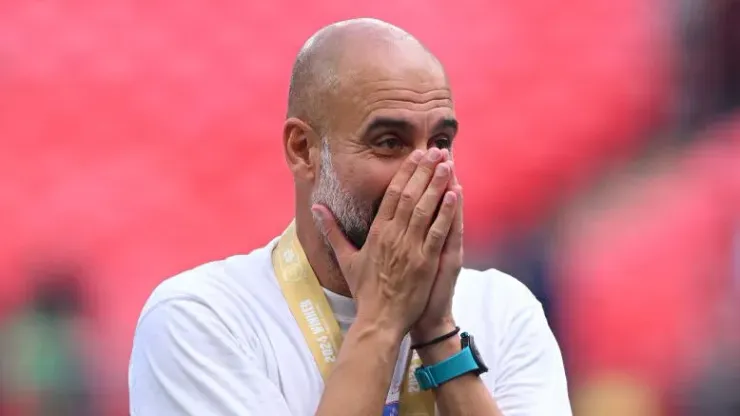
point(146, 135)
point(646, 277)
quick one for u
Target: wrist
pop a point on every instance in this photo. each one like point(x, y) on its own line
point(377, 331)
point(424, 332)
point(441, 351)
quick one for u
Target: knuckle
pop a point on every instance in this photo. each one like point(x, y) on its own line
point(393, 191)
point(386, 244)
point(373, 234)
point(420, 211)
point(416, 261)
point(407, 196)
point(426, 169)
point(436, 236)
point(389, 240)
point(409, 166)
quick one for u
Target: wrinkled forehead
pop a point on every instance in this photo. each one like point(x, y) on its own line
point(390, 84)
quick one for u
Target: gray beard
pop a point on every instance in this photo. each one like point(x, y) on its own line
point(354, 216)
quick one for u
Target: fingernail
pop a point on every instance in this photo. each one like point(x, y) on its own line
point(434, 154)
point(416, 155)
point(449, 198)
point(441, 170)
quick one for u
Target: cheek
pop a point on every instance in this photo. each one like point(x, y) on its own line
point(369, 179)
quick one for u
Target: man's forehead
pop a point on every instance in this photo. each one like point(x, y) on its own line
point(391, 76)
point(414, 104)
point(383, 59)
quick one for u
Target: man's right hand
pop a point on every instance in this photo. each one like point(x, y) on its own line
point(392, 275)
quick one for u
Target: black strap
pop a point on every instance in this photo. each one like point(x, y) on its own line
point(436, 340)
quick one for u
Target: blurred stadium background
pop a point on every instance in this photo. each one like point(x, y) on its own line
point(600, 152)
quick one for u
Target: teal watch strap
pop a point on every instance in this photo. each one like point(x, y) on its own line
point(435, 375)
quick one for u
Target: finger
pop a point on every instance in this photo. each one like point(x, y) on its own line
point(425, 210)
point(437, 235)
point(455, 239)
point(342, 247)
point(453, 181)
point(416, 186)
point(398, 183)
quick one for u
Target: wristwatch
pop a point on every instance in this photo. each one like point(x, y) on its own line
point(468, 360)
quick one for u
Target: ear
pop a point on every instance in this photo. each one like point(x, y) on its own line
point(302, 146)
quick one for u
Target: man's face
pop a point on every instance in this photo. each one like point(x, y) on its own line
point(390, 113)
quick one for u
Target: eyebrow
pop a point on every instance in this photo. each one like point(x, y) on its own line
point(447, 123)
point(380, 123)
point(401, 124)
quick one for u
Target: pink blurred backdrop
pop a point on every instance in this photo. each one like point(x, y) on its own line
point(597, 151)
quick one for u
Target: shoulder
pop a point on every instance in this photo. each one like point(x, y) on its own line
point(526, 367)
point(497, 308)
point(231, 289)
point(199, 343)
point(494, 292)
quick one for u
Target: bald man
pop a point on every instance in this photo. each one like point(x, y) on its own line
point(351, 310)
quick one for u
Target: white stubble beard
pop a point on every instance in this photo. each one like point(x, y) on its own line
point(353, 215)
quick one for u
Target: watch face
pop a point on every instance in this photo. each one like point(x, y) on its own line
point(468, 341)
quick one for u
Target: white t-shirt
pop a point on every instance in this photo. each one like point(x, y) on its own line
point(220, 340)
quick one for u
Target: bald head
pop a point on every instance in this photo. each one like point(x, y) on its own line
point(363, 95)
point(336, 56)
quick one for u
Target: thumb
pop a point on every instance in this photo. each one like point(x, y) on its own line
point(342, 247)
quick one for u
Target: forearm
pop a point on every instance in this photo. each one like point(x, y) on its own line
point(464, 395)
point(359, 382)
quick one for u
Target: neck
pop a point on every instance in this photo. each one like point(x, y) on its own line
point(319, 257)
